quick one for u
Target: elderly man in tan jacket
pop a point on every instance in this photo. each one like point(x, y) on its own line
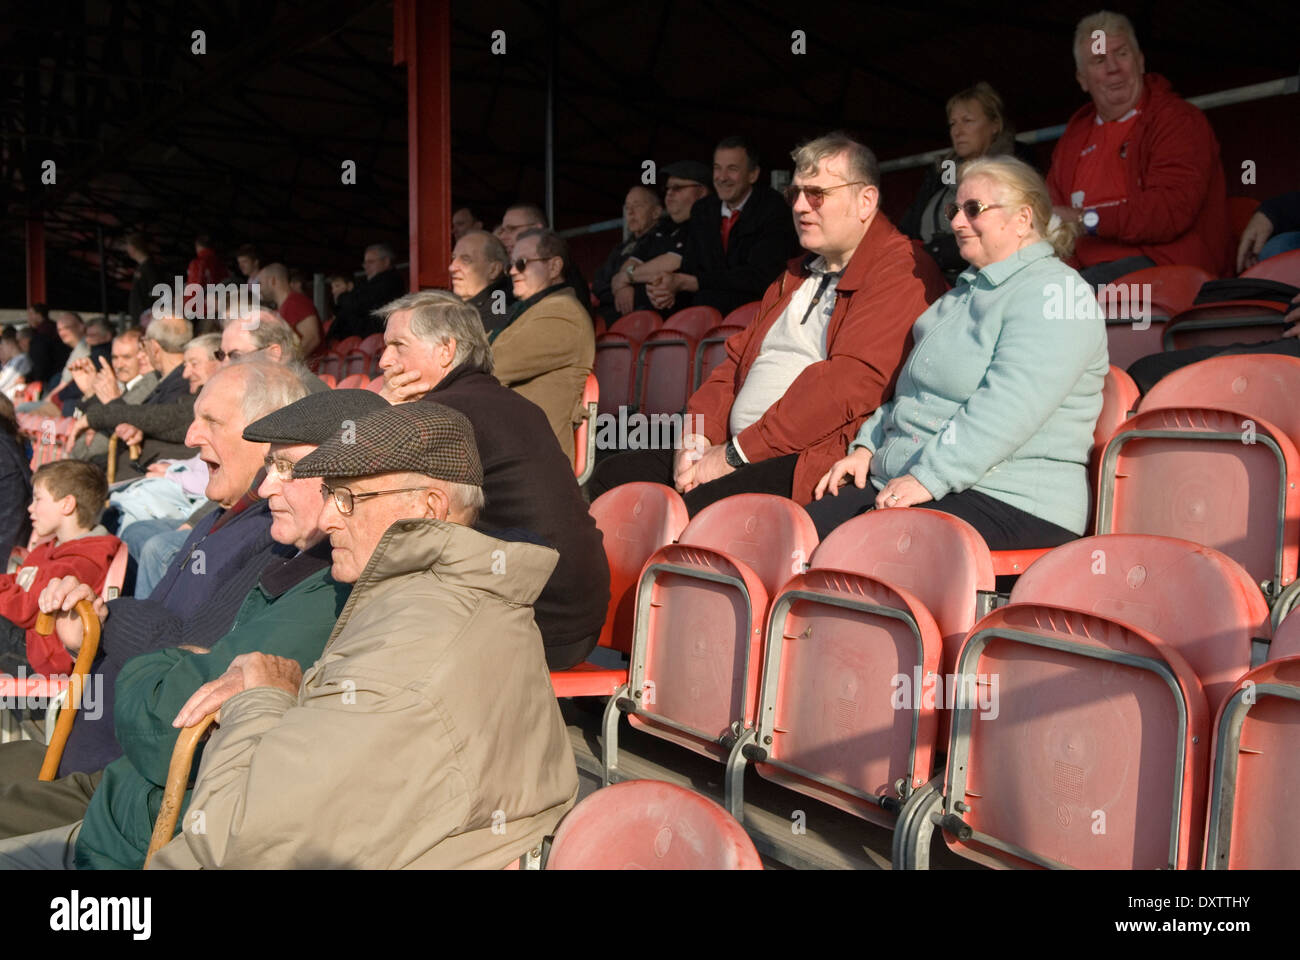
point(427, 734)
point(547, 349)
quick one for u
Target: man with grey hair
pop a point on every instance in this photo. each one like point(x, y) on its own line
point(355, 315)
point(397, 713)
point(1138, 168)
point(642, 211)
point(820, 356)
point(263, 333)
point(480, 276)
point(158, 424)
point(436, 349)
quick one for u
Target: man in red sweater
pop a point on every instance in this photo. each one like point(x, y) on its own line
point(820, 356)
point(1138, 168)
point(67, 497)
point(296, 308)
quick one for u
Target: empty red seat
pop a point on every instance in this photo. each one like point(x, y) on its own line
point(328, 380)
point(615, 364)
point(852, 650)
point(743, 315)
point(649, 825)
point(665, 361)
point(1166, 291)
point(331, 365)
point(712, 350)
point(355, 381)
point(700, 609)
point(1237, 321)
point(364, 357)
point(1262, 385)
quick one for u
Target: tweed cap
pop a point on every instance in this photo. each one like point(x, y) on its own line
point(315, 418)
point(421, 437)
point(690, 170)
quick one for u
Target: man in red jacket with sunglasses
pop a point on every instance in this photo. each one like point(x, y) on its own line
point(820, 356)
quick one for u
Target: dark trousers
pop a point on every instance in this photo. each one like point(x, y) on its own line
point(27, 804)
point(1111, 271)
point(13, 647)
point(1148, 370)
point(1002, 526)
point(774, 476)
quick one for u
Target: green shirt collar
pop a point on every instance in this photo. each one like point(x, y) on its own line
point(996, 273)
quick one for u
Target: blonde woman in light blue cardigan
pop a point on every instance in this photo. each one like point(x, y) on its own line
point(993, 414)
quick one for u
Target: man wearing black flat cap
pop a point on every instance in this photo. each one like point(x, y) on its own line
point(427, 734)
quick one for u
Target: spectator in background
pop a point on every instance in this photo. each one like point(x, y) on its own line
point(436, 349)
point(661, 250)
point(249, 262)
point(200, 361)
point(462, 222)
point(517, 219)
point(158, 423)
point(480, 276)
point(266, 334)
point(1138, 168)
point(739, 239)
point(15, 481)
point(641, 214)
point(978, 127)
point(206, 267)
point(295, 308)
point(300, 281)
point(1274, 228)
point(383, 283)
point(14, 363)
point(146, 275)
point(993, 415)
point(546, 350)
point(819, 358)
point(125, 378)
point(72, 333)
point(47, 352)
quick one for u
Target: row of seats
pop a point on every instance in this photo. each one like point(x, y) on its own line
point(653, 365)
point(348, 357)
point(1081, 739)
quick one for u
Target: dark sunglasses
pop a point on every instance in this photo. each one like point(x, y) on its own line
point(522, 263)
point(972, 208)
point(815, 195)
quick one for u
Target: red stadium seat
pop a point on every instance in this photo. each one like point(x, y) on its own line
point(887, 593)
point(744, 315)
point(1262, 385)
point(638, 324)
point(346, 346)
point(1215, 477)
point(328, 380)
point(712, 350)
point(331, 365)
point(648, 825)
point(700, 609)
point(616, 355)
point(31, 392)
point(364, 358)
point(116, 576)
point(1237, 321)
point(584, 434)
point(665, 360)
point(355, 381)
point(1166, 291)
point(376, 385)
point(1255, 773)
point(635, 520)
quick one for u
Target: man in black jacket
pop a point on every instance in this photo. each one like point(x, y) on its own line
point(158, 424)
point(148, 274)
point(355, 316)
point(437, 350)
point(739, 240)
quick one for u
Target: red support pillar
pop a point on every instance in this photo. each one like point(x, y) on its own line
point(36, 260)
point(422, 40)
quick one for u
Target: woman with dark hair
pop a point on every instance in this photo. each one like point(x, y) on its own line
point(978, 127)
point(15, 482)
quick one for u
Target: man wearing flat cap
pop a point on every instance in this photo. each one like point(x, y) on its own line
point(427, 734)
point(659, 250)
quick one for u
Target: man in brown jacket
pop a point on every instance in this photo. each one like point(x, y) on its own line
point(427, 734)
point(820, 356)
point(547, 350)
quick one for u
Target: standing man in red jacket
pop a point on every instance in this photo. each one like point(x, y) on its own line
point(820, 356)
point(1138, 168)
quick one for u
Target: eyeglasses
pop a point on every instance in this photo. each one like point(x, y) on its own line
point(972, 208)
point(221, 356)
point(815, 195)
point(279, 467)
point(345, 499)
point(673, 188)
point(522, 263)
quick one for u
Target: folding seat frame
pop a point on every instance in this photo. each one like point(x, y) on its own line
point(1093, 638)
point(1212, 424)
point(1277, 679)
point(761, 744)
point(584, 434)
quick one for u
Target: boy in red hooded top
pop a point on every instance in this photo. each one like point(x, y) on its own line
point(67, 497)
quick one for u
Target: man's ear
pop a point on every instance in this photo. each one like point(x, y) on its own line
point(447, 352)
point(437, 504)
point(494, 270)
point(870, 201)
point(753, 175)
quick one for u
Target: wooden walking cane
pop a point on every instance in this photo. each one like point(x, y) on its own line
point(133, 451)
point(178, 777)
point(76, 683)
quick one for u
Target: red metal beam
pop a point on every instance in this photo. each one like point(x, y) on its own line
point(422, 39)
point(36, 260)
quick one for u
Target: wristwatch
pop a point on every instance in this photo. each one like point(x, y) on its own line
point(732, 453)
point(631, 269)
point(1090, 220)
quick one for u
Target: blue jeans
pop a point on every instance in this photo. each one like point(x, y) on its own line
point(1280, 243)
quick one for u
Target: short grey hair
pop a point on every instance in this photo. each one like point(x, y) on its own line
point(862, 163)
point(171, 333)
point(493, 248)
point(210, 343)
point(1109, 23)
point(438, 316)
point(270, 329)
point(267, 386)
point(383, 249)
point(466, 499)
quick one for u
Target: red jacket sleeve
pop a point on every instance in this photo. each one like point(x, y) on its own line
point(1179, 164)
